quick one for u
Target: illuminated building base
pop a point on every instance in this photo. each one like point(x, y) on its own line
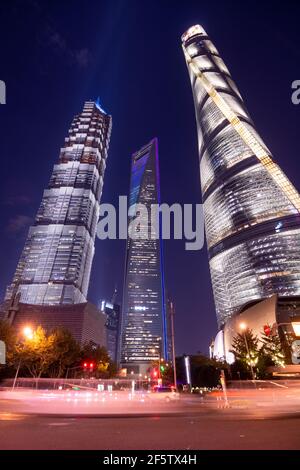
point(84, 321)
point(275, 312)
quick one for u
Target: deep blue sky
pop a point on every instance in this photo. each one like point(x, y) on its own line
point(54, 55)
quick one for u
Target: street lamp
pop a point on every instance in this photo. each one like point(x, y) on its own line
point(28, 332)
point(28, 335)
point(243, 328)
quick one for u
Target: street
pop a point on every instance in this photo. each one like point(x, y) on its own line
point(205, 430)
point(255, 419)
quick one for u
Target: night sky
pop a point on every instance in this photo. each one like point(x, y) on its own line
point(55, 55)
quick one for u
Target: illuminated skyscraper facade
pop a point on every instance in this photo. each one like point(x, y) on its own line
point(56, 261)
point(144, 336)
point(251, 208)
point(112, 314)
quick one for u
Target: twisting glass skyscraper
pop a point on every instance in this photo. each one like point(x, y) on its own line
point(56, 261)
point(144, 337)
point(251, 208)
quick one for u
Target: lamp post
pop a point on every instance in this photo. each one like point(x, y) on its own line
point(172, 314)
point(28, 334)
point(159, 378)
point(243, 328)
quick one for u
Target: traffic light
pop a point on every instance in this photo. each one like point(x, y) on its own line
point(88, 365)
point(155, 373)
point(162, 368)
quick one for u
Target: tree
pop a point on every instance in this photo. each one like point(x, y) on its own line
point(99, 355)
point(246, 350)
point(166, 371)
point(37, 353)
point(205, 372)
point(287, 341)
point(270, 353)
point(239, 370)
point(66, 351)
point(272, 348)
point(112, 369)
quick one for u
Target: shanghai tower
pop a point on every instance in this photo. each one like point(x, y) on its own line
point(55, 265)
point(144, 336)
point(251, 208)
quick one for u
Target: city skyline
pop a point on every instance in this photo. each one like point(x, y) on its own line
point(31, 172)
point(150, 270)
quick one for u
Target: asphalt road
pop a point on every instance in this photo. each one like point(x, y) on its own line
point(256, 418)
point(201, 429)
